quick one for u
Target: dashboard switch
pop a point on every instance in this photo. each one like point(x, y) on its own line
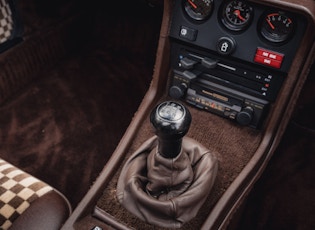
point(225, 45)
point(188, 33)
point(269, 58)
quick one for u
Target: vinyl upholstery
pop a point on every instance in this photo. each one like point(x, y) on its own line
point(27, 202)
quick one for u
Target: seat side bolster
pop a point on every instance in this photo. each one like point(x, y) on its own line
point(47, 212)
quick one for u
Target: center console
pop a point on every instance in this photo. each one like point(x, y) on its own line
point(232, 57)
point(239, 67)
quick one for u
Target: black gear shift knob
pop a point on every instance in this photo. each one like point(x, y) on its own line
point(171, 121)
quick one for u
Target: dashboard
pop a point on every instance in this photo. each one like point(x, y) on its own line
point(231, 57)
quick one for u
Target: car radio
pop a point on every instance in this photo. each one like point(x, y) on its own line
point(231, 57)
point(234, 92)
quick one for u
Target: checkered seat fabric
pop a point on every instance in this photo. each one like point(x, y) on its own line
point(18, 192)
point(6, 21)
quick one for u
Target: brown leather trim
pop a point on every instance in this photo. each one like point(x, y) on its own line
point(189, 178)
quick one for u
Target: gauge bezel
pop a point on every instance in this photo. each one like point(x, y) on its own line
point(195, 16)
point(230, 25)
point(269, 37)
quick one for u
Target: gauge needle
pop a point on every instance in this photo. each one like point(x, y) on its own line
point(270, 24)
point(238, 14)
point(192, 4)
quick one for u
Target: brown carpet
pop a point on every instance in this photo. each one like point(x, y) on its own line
point(220, 136)
point(284, 197)
point(64, 125)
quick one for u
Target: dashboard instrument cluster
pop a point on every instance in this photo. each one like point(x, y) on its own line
point(230, 57)
point(236, 15)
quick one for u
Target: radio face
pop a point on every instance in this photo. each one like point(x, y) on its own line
point(233, 68)
point(226, 102)
point(221, 86)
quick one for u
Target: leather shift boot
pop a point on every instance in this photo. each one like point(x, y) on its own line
point(168, 177)
point(167, 192)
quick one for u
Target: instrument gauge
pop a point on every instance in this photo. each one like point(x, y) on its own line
point(198, 10)
point(237, 15)
point(277, 27)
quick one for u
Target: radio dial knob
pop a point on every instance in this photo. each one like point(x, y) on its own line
point(178, 91)
point(245, 116)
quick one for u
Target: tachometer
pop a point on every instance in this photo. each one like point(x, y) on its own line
point(277, 27)
point(198, 9)
point(237, 15)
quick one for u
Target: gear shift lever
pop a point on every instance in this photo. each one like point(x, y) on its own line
point(168, 178)
point(169, 169)
point(171, 121)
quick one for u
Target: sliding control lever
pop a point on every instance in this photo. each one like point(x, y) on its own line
point(171, 121)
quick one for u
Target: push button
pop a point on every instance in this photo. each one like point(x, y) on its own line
point(225, 46)
point(188, 33)
point(269, 58)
